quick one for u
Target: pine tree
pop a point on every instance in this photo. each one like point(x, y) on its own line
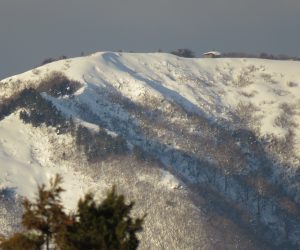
point(20, 241)
point(106, 226)
point(95, 226)
point(46, 216)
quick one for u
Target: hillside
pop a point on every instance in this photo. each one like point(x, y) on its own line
point(209, 148)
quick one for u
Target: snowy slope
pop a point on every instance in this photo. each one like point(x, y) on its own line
point(263, 94)
point(159, 102)
point(28, 158)
point(212, 86)
point(25, 162)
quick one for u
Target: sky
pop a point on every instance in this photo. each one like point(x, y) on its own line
point(32, 30)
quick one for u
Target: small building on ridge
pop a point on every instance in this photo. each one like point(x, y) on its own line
point(212, 54)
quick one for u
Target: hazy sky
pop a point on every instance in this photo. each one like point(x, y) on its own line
point(32, 30)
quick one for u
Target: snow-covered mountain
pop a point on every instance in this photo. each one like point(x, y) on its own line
point(213, 145)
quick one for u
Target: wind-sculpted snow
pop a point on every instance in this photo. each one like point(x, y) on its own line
point(225, 131)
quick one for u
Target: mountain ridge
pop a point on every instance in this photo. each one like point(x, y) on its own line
point(222, 126)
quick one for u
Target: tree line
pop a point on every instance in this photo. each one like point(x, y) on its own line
point(36, 110)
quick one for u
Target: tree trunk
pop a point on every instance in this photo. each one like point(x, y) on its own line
point(258, 205)
point(47, 242)
point(247, 193)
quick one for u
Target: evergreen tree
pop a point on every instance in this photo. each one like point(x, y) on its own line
point(95, 226)
point(46, 216)
point(183, 53)
point(21, 241)
point(105, 226)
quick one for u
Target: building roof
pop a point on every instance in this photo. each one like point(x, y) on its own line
point(215, 53)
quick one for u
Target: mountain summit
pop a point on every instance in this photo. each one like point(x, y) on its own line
point(208, 148)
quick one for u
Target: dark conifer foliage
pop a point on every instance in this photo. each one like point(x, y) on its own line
point(38, 110)
point(22, 241)
point(35, 110)
point(50, 59)
point(46, 215)
point(43, 219)
point(104, 226)
point(183, 53)
point(98, 146)
point(94, 226)
point(57, 84)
